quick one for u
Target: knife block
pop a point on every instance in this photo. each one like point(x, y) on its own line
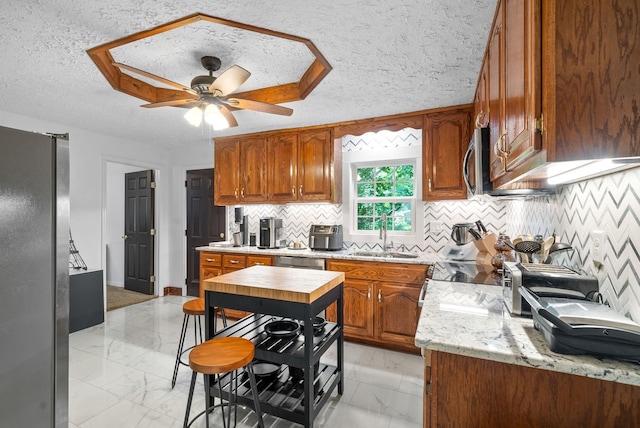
point(485, 244)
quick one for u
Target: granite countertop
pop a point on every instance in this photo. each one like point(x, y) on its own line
point(471, 320)
point(422, 259)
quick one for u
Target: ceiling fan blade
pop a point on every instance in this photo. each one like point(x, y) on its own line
point(227, 115)
point(230, 80)
point(154, 77)
point(189, 102)
point(258, 106)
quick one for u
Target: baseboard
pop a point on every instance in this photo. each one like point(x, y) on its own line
point(172, 291)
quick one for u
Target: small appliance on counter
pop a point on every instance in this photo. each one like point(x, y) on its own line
point(241, 238)
point(460, 246)
point(270, 232)
point(576, 327)
point(325, 237)
point(545, 281)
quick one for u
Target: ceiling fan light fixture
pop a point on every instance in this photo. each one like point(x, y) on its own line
point(215, 118)
point(194, 116)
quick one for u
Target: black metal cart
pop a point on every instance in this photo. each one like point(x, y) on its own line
point(301, 400)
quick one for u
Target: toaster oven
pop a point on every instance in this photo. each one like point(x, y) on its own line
point(544, 280)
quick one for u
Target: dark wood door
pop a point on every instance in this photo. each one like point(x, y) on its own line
point(205, 222)
point(139, 232)
point(397, 312)
point(358, 308)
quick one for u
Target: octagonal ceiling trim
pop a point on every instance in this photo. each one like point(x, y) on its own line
point(287, 92)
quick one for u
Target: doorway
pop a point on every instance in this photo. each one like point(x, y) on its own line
point(206, 222)
point(114, 221)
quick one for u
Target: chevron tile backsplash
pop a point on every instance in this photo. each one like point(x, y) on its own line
point(610, 203)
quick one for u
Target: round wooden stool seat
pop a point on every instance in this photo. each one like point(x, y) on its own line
point(194, 307)
point(221, 355)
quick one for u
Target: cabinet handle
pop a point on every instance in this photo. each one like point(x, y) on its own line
point(369, 294)
point(481, 120)
point(209, 260)
point(379, 295)
point(234, 262)
point(242, 193)
point(300, 190)
point(429, 183)
point(258, 264)
point(293, 191)
point(235, 193)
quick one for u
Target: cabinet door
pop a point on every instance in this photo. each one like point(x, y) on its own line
point(397, 312)
point(358, 308)
point(445, 140)
point(522, 93)
point(226, 182)
point(283, 167)
point(497, 152)
point(481, 98)
point(314, 165)
point(253, 169)
point(207, 272)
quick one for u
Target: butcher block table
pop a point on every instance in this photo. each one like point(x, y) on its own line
point(274, 293)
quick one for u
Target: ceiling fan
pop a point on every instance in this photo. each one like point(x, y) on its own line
point(210, 97)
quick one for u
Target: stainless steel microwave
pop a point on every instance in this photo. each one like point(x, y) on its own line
point(476, 169)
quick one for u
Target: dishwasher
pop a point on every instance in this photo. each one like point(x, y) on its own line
point(300, 262)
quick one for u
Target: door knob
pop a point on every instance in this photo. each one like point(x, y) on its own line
point(125, 236)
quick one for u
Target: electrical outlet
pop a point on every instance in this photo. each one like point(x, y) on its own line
point(598, 241)
point(436, 227)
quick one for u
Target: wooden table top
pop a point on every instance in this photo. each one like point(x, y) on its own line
point(280, 283)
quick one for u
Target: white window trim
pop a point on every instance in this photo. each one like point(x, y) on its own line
point(398, 155)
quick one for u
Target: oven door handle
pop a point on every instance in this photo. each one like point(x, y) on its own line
point(423, 292)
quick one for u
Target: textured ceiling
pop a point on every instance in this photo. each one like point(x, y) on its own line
point(387, 58)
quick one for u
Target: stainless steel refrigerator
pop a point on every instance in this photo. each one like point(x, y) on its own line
point(34, 279)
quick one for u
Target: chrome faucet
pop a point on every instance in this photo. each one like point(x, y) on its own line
point(383, 233)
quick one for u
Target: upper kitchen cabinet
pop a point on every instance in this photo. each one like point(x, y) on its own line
point(240, 169)
point(301, 166)
point(444, 142)
point(562, 82)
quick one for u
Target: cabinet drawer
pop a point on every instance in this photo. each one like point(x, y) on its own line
point(210, 272)
point(396, 272)
point(210, 259)
point(234, 261)
point(259, 261)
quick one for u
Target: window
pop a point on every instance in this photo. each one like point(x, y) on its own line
point(382, 174)
point(385, 189)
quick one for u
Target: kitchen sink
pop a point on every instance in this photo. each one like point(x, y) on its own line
point(388, 254)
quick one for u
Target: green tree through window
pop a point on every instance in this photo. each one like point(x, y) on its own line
point(385, 190)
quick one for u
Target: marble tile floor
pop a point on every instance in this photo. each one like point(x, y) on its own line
point(120, 376)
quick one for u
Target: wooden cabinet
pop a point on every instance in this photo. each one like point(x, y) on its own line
point(445, 140)
point(562, 86)
point(464, 391)
point(278, 167)
point(302, 167)
point(215, 263)
point(240, 169)
point(380, 302)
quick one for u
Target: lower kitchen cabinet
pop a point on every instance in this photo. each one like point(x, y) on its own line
point(465, 391)
point(380, 302)
point(215, 263)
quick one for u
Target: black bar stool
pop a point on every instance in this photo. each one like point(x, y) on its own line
point(193, 308)
point(221, 356)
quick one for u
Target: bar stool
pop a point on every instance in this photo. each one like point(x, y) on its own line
point(193, 308)
point(220, 356)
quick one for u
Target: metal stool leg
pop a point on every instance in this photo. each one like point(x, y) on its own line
point(224, 317)
point(183, 333)
point(254, 393)
point(191, 388)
